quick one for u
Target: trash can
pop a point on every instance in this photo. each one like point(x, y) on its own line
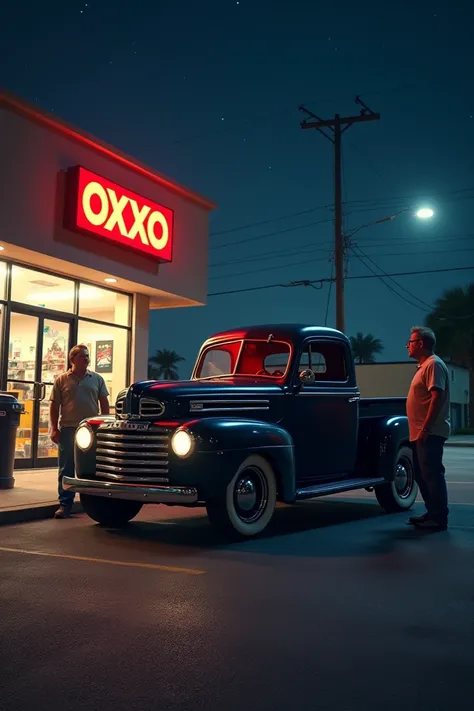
point(10, 411)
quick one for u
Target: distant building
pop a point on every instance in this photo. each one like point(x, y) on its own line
point(393, 380)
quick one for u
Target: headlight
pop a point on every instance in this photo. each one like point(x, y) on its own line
point(182, 443)
point(84, 437)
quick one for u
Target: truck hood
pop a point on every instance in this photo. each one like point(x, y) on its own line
point(184, 398)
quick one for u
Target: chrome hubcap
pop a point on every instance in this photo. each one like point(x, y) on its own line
point(403, 480)
point(246, 494)
point(250, 494)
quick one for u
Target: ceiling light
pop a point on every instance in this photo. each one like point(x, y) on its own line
point(110, 280)
point(1, 248)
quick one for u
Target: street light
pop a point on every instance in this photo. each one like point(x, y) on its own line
point(424, 213)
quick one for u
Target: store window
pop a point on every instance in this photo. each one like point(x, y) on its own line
point(108, 349)
point(3, 280)
point(45, 290)
point(22, 346)
point(104, 305)
point(2, 311)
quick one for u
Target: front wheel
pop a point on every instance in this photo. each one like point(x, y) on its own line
point(248, 504)
point(110, 512)
point(399, 494)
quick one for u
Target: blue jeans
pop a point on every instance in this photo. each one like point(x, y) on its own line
point(430, 476)
point(66, 464)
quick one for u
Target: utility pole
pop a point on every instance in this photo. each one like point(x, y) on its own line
point(337, 126)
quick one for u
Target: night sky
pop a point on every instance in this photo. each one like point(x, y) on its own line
point(208, 93)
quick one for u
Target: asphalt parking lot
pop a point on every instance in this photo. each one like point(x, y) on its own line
point(338, 606)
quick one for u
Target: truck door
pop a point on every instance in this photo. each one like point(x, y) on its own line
point(323, 415)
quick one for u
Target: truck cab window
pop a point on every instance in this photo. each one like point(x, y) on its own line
point(327, 360)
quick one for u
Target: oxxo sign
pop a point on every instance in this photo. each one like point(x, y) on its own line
point(105, 209)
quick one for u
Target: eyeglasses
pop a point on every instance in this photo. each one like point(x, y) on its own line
point(415, 340)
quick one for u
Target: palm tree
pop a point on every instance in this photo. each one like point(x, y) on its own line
point(162, 366)
point(365, 348)
point(452, 320)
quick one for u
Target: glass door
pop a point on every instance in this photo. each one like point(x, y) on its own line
point(38, 349)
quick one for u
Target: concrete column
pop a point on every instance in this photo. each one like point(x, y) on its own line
point(140, 337)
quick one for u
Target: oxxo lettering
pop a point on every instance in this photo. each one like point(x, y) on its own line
point(96, 206)
point(110, 216)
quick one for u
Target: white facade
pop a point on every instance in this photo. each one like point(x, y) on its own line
point(61, 282)
point(393, 380)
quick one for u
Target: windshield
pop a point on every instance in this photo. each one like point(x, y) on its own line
point(245, 358)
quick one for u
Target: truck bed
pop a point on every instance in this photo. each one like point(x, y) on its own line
point(371, 410)
point(382, 407)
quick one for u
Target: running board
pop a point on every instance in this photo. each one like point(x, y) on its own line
point(336, 487)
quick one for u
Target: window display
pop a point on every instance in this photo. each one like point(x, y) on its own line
point(108, 350)
point(36, 345)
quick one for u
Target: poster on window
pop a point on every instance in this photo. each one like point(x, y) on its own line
point(104, 356)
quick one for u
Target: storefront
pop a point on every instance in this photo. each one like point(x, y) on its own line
point(90, 240)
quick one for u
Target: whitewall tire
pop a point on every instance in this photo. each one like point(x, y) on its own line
point(248, 504)
point(399, 494)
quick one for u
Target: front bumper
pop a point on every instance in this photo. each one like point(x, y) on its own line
point(180, 495)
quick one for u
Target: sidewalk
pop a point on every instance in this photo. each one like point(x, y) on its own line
point(460, 441)
point(34, 496)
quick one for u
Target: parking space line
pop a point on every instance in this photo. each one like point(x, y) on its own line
point(126, 564)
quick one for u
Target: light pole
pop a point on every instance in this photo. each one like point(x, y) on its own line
point(423, 213)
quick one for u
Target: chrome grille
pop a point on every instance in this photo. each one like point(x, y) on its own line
point(132, 456)
point(119, 405)
point(151, 408)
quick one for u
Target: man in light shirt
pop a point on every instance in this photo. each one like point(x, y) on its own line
point(428, 407)
point(75, 396)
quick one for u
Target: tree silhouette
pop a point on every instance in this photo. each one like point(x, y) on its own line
point(452, 320)
point(163, 365)
point(365, 348)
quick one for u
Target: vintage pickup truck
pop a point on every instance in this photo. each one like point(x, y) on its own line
point(271, 413)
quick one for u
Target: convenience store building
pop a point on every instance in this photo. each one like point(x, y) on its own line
point(90, 241)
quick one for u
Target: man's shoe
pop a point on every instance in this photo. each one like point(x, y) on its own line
point(63, 512)
point(417, 519)
point(430, 524)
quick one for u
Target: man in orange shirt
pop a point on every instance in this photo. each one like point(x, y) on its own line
point(428, 408)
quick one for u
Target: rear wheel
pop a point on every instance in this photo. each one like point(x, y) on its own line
point(248, 504)
point(399, 494)
point(110, 512)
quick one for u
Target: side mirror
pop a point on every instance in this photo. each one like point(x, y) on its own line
point(307, 377)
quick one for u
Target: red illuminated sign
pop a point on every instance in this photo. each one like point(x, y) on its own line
point(99, 207)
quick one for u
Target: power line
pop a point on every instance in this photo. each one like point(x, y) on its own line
point(308, 282)
point(390, 288)
point(296, 251)
point(331, 276)
point(363, 205)
point(273, 219)
point(430, 308)
point(323, 259)
point(291, 229)
point(270, 269)
point(422, 308)
point(270, 234)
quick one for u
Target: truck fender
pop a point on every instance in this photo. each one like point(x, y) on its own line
point(392, 433)
point(378, 445)
point(242, 436)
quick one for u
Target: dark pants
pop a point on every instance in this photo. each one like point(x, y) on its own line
point(429, 474)
point(66, 464)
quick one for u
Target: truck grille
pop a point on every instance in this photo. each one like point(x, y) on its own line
point(140, 457)
point(119, 405)
point(151, 408)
